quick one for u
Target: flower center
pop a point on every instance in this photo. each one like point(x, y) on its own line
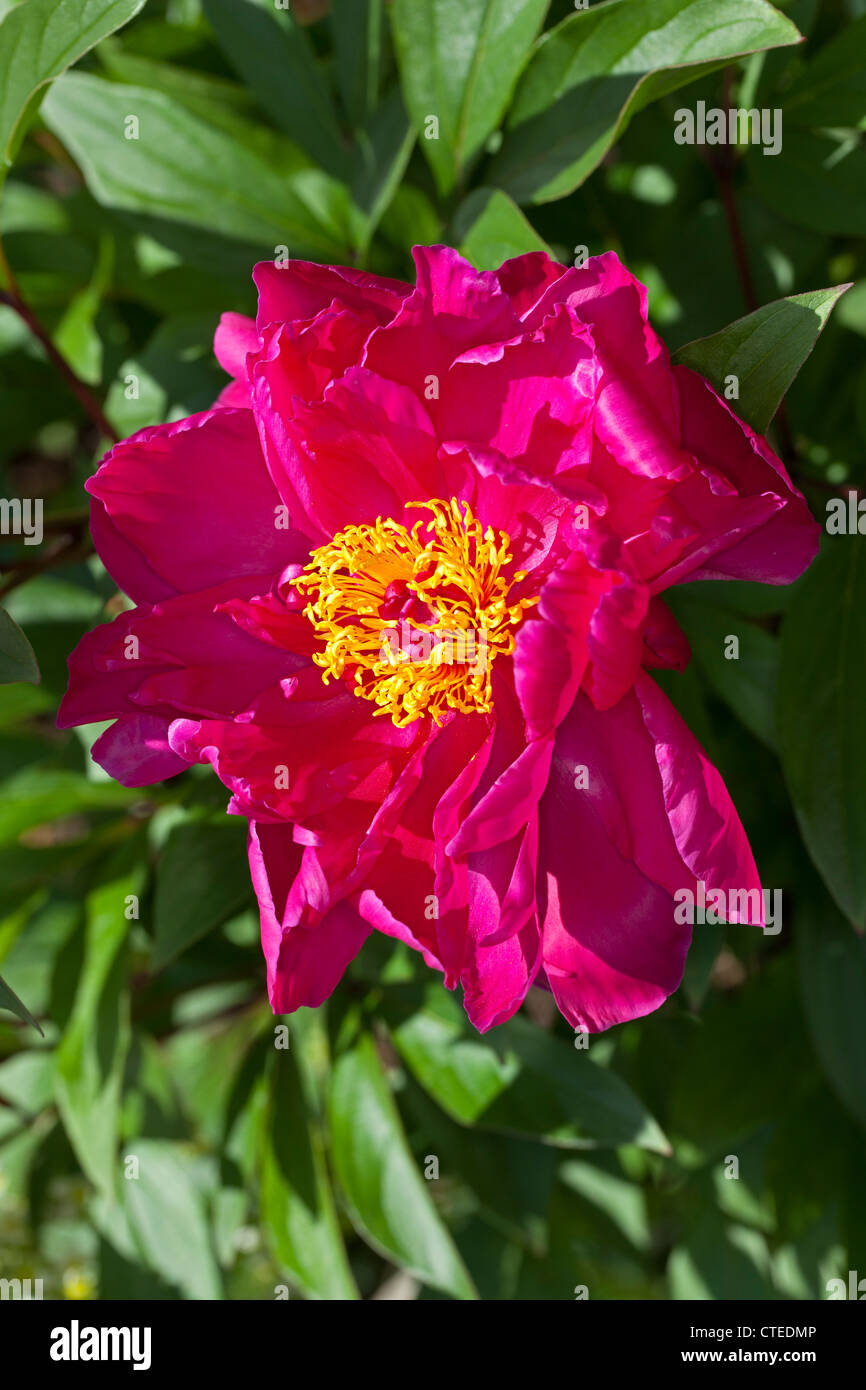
point(416, 618)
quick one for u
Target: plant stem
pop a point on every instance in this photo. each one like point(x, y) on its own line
point(724, 167)
point(76, 547)
point(13, 297)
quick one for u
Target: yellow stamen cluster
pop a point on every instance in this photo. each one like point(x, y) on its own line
point(449, 570)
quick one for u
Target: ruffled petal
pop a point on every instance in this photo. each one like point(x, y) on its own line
point(416, 891)
point(532, 399)
point(780, 549)
point(181, 656)
point(525, 278)
point(234, 340)
point(363, 452)
point(706, 828)
point(305, 963)
point(499, 976)
point(125, 563)
point(196, 499)
point(303, 750)
point(135, 751)
point(452, 309)
point(634, 813)
point(298, 363)
point(302, 289)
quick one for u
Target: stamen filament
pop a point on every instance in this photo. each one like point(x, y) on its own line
point(447, 566)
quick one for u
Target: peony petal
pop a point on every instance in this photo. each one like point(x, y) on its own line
point(778, 551)
point(452, 309)
point(654, 819)
point(363, 452)
point(125, 563)
point(302, 289)
point(707, 830)
point(196, 499)
point(305, 964)
point(234, 339)
point(612, 949)
point(418, 894)
point(499, 975)
point(182, 656)
point(302, 751)
point(301, 361)
point(135, 751)
point(525, 278)
point(665, 643)
point(532, 399)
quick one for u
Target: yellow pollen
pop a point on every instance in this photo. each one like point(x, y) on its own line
point(415, 618)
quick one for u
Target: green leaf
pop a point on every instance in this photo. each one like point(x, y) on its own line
point(19, 1153)
point(459, 61)
point(26, 1080)
point(381, 154)
point(175, 374)
point(273, 55)
point(76, 335)
point(164, 1197)
point(356, 26)
point(594, 70)
point(821, 682)
point(746, 597)
point(764, 351)
point(182, 169)
point(511, 1179)
point(217, 101)
point(206, 1059)
point(78, 339)
point(748, 682)
point(40, 796)
point(9, 1000)
point(819, 181)
point(521, 1081)
point(202, 92)
point(719, 1260)
point(17, 659)
point(703, 954)
point(92, 1051)
point(852, 310)
point(411, 220)
point(833, 973)
point(389, 1200)
point(491, 229)
point(123, 1273)
point(29, 209)
point(715, 1093)
point(831, 89)
point(297, 1204)
point(202, 879)
point(624, 1202)
point(38, 41)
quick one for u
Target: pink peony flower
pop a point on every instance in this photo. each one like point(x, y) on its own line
point(402, 586)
